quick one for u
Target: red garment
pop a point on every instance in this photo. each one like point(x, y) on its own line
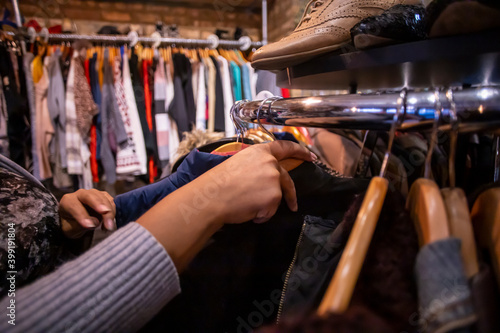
point(87, 70)
point(153, 170)
point(94, 167)
point(285, 93)
point(147, 93)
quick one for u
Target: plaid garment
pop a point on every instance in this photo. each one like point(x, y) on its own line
point(73, 137)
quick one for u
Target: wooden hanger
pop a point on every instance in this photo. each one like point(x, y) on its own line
point(455, 201)
point(486, 221)
point(460, 225)
point(424, 202)
point(341, 287)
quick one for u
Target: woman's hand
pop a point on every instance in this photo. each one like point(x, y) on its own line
point(248, 186)
point(251, 184)
point(85, 210)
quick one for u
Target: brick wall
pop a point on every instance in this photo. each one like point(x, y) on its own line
point(89, 16)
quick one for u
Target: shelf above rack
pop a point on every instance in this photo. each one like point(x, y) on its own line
point(472, 59)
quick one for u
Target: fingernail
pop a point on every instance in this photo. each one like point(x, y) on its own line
point(89, 223)
point(314, 157)
point(104, 209)
point(295, 207)
point(110, 224)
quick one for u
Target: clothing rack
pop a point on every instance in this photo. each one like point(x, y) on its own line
point(477, 109)
point(244, 43)
point(212, 42)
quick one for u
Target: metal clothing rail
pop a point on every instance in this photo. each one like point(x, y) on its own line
point(213, 41)
point(477, 109)
point(244, 44)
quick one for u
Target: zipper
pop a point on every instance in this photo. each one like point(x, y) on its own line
point(289, 272)
point(329, 170)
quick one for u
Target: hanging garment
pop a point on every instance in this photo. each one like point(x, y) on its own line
point(73, 137)
point(140, 99)
point(15, 69)
point(245, 82)
point(219, 121)
point(253, 80)
point(96, 127)
point(148, 97)
point(56, 104)
point(443, 291)
point(113, 130)
point(44, 128)
point(228, 97)
point(245, 263)
point(30, 88)
point(211, 83)
point(127, 157)
point(236, 74)
point(173, 137)
point(85, 106)
point(486, 300)
point(161, 115)
point(201, 99)
point(18, 112)
point(182, 108)
point(338, 152)
point(266, 81)
point(132, 122)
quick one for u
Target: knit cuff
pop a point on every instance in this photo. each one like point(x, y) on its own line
point(118, 286)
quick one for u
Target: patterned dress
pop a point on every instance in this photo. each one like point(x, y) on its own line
point(33, 212)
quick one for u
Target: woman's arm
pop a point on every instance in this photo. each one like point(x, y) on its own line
point(248, 186)
point(125, 280)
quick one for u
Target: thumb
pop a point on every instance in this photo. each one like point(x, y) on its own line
point(282, 150)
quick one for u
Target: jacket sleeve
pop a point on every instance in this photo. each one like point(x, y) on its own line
point(117, 286)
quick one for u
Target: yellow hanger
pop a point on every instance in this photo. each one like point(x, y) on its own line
point(341, 287)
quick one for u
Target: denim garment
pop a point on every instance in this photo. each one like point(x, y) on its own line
point(444, 295)
point(131, 205)
point(234, 284)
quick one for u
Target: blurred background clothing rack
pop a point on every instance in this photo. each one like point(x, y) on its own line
point(148, 40)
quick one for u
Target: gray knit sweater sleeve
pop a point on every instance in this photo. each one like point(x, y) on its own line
point(118, 286)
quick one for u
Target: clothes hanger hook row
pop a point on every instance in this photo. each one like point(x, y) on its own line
point(396, 121)
point(269, 100)
point(240, 129)
point(435, 127)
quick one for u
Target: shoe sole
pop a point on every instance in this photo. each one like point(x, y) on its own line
point(282, 62)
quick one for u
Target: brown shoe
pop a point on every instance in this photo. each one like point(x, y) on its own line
point(324, 29)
